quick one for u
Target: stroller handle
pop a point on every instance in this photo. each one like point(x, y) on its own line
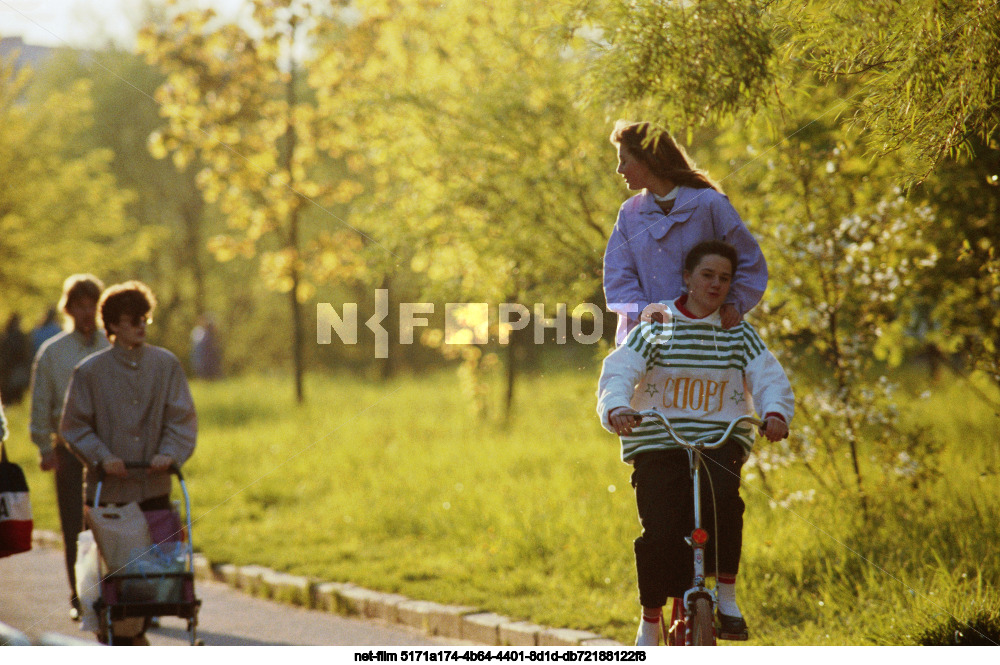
point(173, 469)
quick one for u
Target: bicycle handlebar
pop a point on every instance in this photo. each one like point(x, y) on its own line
point(702, 443)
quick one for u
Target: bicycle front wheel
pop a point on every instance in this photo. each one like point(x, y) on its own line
point(702, 624)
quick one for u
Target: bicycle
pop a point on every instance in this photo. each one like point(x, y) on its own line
point(693, 618)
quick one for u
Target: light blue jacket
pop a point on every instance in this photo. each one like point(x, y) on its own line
point(644, 260)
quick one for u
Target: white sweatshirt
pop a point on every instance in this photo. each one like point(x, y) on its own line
point(698, 375)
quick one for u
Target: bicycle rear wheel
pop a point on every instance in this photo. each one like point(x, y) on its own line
point(702, 624)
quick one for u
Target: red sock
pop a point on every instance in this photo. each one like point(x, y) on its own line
point(652, 614)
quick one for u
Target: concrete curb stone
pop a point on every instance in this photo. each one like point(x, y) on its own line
point(520, 634)
point(446, 620)
point(202, 567)
point(228, 573)
point(564, 637)
point(251, 580)
point(385, 606)
point(288, 588)
point(483, 627)
point(326, 596)
point(433, 618)
point(415, 614)
point(355, 600)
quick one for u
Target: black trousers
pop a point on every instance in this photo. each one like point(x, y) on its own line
point(664, 497)
point(69, 495)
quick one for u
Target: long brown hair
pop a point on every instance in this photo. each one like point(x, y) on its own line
point(657, 149)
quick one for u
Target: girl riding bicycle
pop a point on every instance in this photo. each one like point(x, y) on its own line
point(700, 376)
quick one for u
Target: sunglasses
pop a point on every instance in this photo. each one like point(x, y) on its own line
point(137, 320)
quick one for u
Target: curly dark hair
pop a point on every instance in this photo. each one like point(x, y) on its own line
point(132, 298)
point(710, 248)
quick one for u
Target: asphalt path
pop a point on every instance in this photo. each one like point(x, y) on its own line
point(34, 599)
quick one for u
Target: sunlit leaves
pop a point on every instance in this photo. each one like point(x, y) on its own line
point(475, 144)
point(60, 207)
point(227, 102)
point(922, 76)
point(687, 62)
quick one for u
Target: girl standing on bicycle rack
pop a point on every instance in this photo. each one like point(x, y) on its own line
point(700, 376)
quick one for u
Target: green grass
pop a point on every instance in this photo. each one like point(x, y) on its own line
point(396, 486)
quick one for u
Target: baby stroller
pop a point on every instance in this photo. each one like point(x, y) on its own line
point(155, 576)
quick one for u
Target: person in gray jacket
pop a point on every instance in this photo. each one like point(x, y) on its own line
point(130, 403)
point(50, 374)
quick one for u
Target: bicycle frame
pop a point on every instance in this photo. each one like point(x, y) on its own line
point(699, 537)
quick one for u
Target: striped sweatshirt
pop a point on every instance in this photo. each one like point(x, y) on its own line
point(698, 375)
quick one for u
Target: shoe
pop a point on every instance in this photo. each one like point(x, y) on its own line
point(648, 635)
point(75, 609)
point(733, 628)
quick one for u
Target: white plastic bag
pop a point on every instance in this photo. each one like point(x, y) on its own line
point(158, 565)
point(88, 580)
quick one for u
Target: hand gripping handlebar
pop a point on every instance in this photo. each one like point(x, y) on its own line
point(701, 443)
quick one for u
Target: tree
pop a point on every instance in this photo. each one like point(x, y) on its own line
point(61, 210)
point(502, 185)
point(846, 249)
point(923, 75)
point(234, 99)
point(961, 309)
point(167, 205)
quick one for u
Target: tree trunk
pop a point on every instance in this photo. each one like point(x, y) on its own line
point(298, 335)
point(513, 353)
point(191, 211)
point(844, 390)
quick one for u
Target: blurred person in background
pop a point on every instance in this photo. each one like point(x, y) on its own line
point(206, 353)
point(50, 376)
point(48, 327)
point(15, 361)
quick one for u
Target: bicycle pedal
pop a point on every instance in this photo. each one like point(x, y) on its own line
point(735, 637)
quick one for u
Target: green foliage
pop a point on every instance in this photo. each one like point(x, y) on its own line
point(234, 100)
point(167, 208)
point(500, 182)
point(927, 73)
point(684, 62)
point(61, 210)
point(921, 77)
point(845, 250)
point(480, 188)
point(960, 314)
